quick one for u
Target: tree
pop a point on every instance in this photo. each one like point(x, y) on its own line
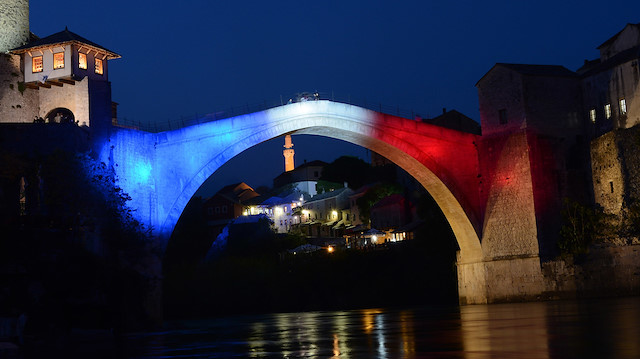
point(373, 195)
point(352, 170)
point(582, 225)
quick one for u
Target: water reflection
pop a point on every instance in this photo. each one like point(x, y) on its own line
point(505, 330)
point(604, 329)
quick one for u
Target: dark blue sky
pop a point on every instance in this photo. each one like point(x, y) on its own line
point(186, 57)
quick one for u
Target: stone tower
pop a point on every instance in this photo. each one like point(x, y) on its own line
point(288, 154)
point(14, 24)
point(17, 104)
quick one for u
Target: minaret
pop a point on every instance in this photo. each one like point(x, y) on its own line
point(14, 24)
point(288, 154)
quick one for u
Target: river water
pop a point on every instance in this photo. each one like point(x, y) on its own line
point(608, 328)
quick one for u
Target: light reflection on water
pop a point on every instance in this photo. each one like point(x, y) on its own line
point(604, 328)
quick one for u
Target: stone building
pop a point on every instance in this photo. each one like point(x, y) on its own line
point(610, 83)
point(610, 89)
point(303, 178)
point(61, 77)
point(571, 126)
point(532, 135)
point(324, 214)
point(227, 204)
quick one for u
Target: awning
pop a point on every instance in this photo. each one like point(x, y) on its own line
point(339, 224)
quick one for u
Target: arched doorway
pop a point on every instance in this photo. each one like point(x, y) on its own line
point(60, 115)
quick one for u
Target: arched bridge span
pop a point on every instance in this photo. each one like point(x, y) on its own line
point(162, 171)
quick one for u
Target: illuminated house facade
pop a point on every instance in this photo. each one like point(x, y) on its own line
point(325, 215)
point(610, 83)
point(70, 74)
point(283, 211)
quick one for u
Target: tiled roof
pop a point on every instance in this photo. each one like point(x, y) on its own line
point(594, 67)
point(534, 70)
point(63, 37)
point(539, 70)
point(329, 194)
point(614, 37)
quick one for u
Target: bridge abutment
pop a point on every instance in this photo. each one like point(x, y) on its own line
point(500, 280)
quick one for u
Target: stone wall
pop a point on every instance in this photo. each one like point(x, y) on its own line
point(17, 104)
point(510, 224)
point(615, 164)
point(14, 24)
point(72, 97)
point(607, 270)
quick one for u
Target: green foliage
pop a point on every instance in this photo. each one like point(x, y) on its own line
point(352, 170)
point(290, 240)
point(630, 226)
point(582, 225)
point(249, 239)
point(326, 186)
point(373, 195)
point(190, 240)
point(21, 87)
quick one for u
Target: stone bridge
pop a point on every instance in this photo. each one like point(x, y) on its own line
point(492, 215)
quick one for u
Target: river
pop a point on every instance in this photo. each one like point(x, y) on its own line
point(606, 328)
point(602, 328)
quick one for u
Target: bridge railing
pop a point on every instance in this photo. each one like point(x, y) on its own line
point(185, 121)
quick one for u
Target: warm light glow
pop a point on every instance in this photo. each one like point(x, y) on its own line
point(58, 60)
point(374, 239)
point(330, 249)
point(82, 61)
point(334, 213)
point(305, 212)
point(607, 111)
point(623, 106)
point(37, 64)
point(278, 210)
point(99, 69)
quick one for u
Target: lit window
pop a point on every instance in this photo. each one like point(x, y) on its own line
point(37, 64)
point(592, 115)
point(623, 106)
point(607, 111)
point(58, 60)
point(502, 116)
point(82, 61)
point(99, 70)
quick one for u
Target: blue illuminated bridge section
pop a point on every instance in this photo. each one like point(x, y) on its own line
point(162, 171)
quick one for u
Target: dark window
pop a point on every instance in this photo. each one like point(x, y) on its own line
point(315, 174)
point(217, 209)
point(611, 186)
point(224, 209)
point(210, 210)
point(502, 116)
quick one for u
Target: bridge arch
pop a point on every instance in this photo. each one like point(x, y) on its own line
point(412, 145)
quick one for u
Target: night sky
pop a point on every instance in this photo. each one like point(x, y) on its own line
point(194, 57)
